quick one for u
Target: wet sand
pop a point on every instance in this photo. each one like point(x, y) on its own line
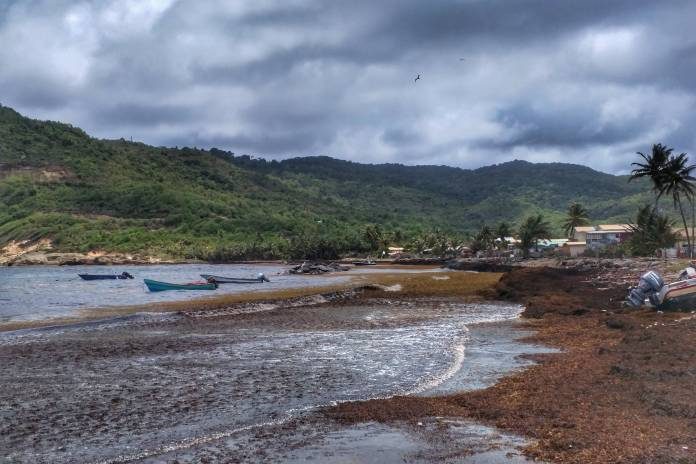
point(215, 386)
point(177, 388)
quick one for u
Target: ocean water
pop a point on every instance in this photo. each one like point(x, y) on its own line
point(44, 292)
point(154, 385)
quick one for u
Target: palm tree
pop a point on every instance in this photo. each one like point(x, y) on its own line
point(677, 181)
point(577, 216)
point(651, 232)
point(484, 239)
point(502, 232)
point(653, 168)
point(532, 229)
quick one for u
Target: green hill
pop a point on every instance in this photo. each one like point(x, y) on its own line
point(56, 182)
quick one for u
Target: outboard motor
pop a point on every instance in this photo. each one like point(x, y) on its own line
point(263, 277)
point(649, 286)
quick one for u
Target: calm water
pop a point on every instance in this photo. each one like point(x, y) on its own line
point(44, 292)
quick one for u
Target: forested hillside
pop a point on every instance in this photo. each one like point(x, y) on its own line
point(85, 194)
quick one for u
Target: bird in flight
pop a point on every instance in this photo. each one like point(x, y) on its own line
point(417, 78)
point(462, 59)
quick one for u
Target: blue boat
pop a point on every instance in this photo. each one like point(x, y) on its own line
point(155, 286)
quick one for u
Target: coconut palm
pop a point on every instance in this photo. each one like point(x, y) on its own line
point(577, 216)
point(650, 232)
point(531, 231)
point(678, 182)
point(653, 168)
point(502, 232)
point(484, 239)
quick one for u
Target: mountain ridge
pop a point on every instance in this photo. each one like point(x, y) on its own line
point(84, 193)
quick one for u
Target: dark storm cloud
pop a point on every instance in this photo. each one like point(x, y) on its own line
point(577, 126)
point(588, 82)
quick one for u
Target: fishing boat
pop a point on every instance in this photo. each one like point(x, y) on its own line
point(675, 296)
point(122, 276)
point(235, 280)
point(155, 286)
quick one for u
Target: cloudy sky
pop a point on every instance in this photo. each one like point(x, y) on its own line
point(588, 81)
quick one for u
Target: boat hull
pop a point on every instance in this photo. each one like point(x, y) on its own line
point(103, 277)
point(156, 286)
point(233, 280)
point(682, 303)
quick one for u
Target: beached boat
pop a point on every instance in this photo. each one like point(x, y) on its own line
point(155, 286)
point(367, 262)
point(123, 275)
point(675, 296)
point(235, 280)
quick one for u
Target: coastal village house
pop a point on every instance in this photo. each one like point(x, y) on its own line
point(603, 235)
point(607, 234)
point(580, 234)
point(574, 248)
point(681, 248)
point(595, 238)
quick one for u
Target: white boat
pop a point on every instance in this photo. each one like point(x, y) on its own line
point(235, 280)
point(675, 296)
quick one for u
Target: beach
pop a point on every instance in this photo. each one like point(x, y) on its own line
point(219, 383)
point(431, 366)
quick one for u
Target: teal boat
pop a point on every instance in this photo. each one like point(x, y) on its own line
point(155, 286)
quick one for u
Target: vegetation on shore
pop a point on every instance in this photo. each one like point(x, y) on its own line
point(87, 194)
point(669, 175)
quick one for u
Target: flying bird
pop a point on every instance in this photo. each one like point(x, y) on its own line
point(417, 78)
point(462, 59)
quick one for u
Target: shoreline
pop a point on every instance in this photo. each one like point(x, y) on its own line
point(313, 435)
point(619, 391)
point(357, 278)
point(163, 372)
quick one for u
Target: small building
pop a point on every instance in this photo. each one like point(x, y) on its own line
point(607, 234)
point(511, 242)
point(574, 248)
point(681, 248)
point(580, 233)
point(395, 251)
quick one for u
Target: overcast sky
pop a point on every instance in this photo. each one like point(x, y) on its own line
point(588, 81)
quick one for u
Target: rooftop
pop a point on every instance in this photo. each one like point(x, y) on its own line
point(613, 227)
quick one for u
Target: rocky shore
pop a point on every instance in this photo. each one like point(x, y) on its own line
point(39, 253)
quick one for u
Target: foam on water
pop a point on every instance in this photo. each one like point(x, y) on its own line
point(259, 371)
point(451, 328)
